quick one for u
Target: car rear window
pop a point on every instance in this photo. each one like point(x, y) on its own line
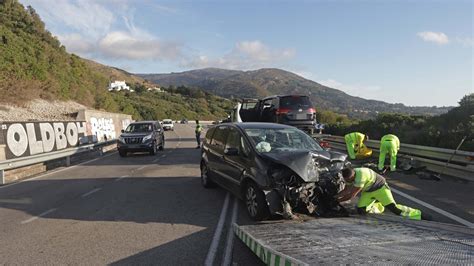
point(295, 101)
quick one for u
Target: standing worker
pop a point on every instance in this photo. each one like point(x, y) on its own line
point(354, 142)
point(389, 144)
point(198, 134)
point(374, 194)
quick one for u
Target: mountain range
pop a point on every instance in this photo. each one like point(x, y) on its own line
point(273, 81)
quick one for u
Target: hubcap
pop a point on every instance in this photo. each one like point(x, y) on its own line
point(251, 198)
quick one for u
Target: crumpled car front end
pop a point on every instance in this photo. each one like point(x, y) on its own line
point(305, 181)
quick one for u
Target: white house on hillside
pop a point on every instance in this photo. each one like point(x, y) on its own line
point(118, 85)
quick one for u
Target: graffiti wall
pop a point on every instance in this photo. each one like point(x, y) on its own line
point(20, 139)
point(103, 126)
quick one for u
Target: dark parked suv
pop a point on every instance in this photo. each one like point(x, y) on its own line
point(275, 168)
point(143, 136)
point(293, 110)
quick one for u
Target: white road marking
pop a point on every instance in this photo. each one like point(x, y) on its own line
point(141, 167)
point(37, 217)
point(91, 192)
point(57, 171)
point(433, 208)
point(120, 178)
point(211, 254)
point(230, 236)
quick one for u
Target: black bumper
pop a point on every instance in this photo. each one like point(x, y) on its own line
point(306, 124)
point(135, 147)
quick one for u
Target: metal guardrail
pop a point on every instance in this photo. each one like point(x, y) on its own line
point(44, 157)
point(435, 159)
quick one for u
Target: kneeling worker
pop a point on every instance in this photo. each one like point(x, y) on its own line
point(375, 194)
point(389, 144)
point(354, 142)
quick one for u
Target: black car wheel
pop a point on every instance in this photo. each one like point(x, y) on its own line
point(122, 153)
point(153, 149)
point(255, 202)
point(162, 145)
point(205, 181)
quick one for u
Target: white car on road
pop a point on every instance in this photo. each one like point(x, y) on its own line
point(168, 124)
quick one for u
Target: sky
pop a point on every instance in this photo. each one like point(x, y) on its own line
point(399, 51)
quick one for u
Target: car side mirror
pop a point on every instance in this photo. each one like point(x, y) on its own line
point(123, 131)
point(231, 152)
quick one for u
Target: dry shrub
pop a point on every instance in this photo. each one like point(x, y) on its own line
point(19, 92)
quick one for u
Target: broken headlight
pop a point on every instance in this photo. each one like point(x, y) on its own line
point(313, 170)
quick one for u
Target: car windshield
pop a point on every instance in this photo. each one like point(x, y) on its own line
point(281, 139)
point(167, 122)
point(133, 128)
point(295, 101)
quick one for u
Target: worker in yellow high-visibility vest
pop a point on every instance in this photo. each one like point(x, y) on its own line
point(198, 131)
point(389, 144)
point(375, 194)
point(354, 142)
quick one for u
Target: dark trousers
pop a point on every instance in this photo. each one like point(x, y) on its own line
point(198, 138)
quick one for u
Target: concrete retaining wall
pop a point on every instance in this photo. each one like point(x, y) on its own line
point(102, 126)
point(95, 126)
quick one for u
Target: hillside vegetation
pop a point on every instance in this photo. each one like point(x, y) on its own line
point(34, 64)
point(444, 131)
point(270, 81)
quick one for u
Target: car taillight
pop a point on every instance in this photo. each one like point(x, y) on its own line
point(324, 144)
point(281, 111)
point(312, 110)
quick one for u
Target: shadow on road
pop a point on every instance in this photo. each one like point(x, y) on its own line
point(180, 156)
point(178, 201)
point(183, 139)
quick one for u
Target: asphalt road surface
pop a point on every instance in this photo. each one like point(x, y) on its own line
point(152, 210)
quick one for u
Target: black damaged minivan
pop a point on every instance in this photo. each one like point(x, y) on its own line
point(274, 168)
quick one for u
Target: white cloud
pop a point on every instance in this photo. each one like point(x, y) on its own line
point(103, 29)
point(165, 9)
point(244, 55)
point(127, 45)
point(76, 43)
point(86, 16)
point(436, 37)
